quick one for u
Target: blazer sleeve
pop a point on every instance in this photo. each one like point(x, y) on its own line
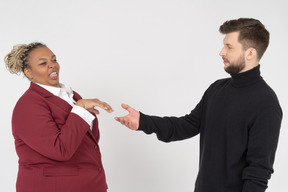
point(35, 125)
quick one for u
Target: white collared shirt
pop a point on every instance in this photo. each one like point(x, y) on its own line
point(66, 94)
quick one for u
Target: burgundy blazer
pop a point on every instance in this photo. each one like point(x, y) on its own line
point(57, 150)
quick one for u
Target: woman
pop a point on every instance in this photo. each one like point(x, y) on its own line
point(55, 130)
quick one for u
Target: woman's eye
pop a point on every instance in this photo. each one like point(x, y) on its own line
point(44, 63)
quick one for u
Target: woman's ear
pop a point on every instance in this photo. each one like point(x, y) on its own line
point(28, 73)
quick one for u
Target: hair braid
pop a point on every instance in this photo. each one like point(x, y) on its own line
point(16, 60)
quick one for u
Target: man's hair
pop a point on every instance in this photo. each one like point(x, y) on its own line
point(253, 33)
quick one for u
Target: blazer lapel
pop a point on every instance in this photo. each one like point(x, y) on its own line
point(62, 104)
point(51, 97)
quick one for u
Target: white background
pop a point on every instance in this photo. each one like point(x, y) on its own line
point(159, 56)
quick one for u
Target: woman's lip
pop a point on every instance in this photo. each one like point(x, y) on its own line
point(54, 75)
point(53, 72)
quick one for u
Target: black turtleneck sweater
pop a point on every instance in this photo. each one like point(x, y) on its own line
point(238, 120)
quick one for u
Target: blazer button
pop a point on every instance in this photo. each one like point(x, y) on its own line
point(95, 147)
point(99, 169)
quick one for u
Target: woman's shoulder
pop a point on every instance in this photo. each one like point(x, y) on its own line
point(29, 98)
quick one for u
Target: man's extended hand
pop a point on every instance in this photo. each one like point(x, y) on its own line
point(131, 120)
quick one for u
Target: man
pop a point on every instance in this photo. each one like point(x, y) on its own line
point(238, 118)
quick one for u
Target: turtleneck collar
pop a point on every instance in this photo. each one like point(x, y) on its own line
point(246, 78)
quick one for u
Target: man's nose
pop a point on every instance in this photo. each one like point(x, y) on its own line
point(222, 52)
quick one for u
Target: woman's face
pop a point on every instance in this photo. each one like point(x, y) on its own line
point(43, 67)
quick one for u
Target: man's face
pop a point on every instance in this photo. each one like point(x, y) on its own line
point(232, 54)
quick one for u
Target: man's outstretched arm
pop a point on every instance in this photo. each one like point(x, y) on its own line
point(166, 128)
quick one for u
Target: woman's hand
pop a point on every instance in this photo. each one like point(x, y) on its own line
point(90, 104)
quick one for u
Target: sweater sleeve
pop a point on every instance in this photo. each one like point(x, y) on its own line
point(262, 144)
point(170, 129)
point(34, 125)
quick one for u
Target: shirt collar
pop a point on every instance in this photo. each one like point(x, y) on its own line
point(57, 90)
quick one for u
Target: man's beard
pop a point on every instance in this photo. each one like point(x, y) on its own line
point(237, 66)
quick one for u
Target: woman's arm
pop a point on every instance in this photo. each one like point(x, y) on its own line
point(52, 133)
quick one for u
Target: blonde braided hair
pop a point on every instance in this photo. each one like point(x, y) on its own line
point(16, 60)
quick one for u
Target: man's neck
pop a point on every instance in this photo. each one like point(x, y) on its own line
point(249, 66)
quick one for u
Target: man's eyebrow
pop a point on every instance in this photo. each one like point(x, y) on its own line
point(228, 44)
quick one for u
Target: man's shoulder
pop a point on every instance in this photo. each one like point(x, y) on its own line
point(265, 92)
point(219, 83)
point(222, 81)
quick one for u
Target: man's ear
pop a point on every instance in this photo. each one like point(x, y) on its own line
point(28, 73)
point(251, 54)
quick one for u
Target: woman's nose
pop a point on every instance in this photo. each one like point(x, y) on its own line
point(51, 64)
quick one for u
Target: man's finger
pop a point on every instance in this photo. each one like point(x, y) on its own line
point(120, 119)
point(127, 107)
point(124, 106)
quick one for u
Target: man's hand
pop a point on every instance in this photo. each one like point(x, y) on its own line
point(131, 120)
point(90, 104)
